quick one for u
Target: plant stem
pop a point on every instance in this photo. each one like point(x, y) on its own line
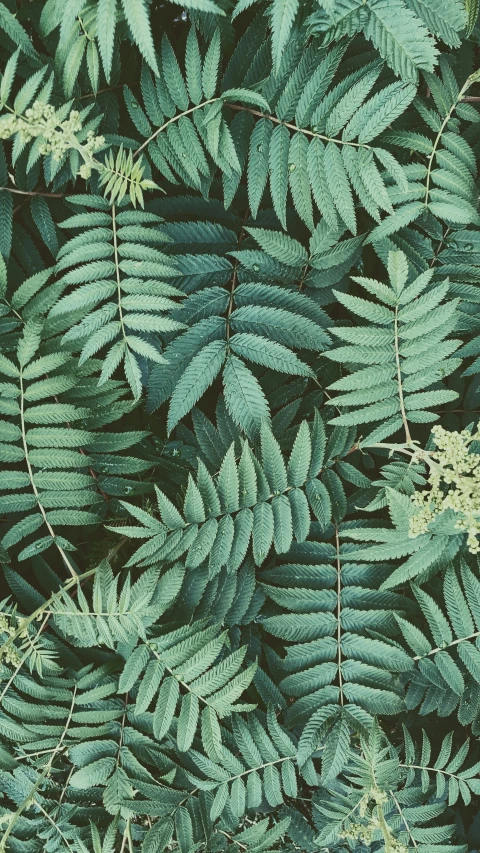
point(32, 482)
point(20, 664)
point(468, 82)
point(24, 192)
point(408, 437)
point(339, 613)
point(27, 620)
point(448, 646)
point(243, 108)
point(404, 820)
point(50, 820)
point(117, 274)
point(171, 121)
point(234, 278)
point(294, 127)
point(431, 769)
point(30, 799)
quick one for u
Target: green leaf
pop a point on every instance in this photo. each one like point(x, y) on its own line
point(244, 397)
point(278, 168)
point(400, 37)
point(336, 750)
point(158, 836)
point(136, 15)
point(211, 66)
point(283, 13)
point(187, 721)
point(106, 25)
point(197, 377)
point(471, 7)
point(8, 77)
point(257, 171)
point(279, 246)
point(14, 30)
point(268, 353)
point(339, 186)
point(165, 708)
point(95, 773)
point(298, 178)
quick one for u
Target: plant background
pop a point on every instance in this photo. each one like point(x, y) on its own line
point(239, 263)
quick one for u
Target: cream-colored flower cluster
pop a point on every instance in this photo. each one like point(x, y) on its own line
point(57, 137)
point(368, 832)
point(454, 483)
point(41, 122)
point(9, 654)
point(365, 834)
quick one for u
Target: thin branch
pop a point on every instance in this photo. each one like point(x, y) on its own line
point(404, 820)
point(30, 798)
point(440, 247)
point(171, 121)
point(408, 436)
point(233, 840)
point(50, 819)
point(234, 277)
point(105, 89)
point(24, 192)
point(448, 646)
point(393, 448)
point(66, 784)
point(339, 614)
point(431, 769)
point(21, 662)
point(117, 274)
point(353, 448)
point(245, 109)
point(469, 81)
point(74, 581)
point(231, 298)
point(294, 127)
point(174, 675)
point(32, 482)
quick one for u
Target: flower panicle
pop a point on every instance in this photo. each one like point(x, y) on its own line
point(453, 484)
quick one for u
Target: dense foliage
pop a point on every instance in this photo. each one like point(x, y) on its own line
point(240, 371)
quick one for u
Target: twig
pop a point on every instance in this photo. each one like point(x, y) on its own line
point(243, 108)
point(294, 127)
point(171, 121)
point(461, 97)
point(408, 437)
point(447, 646)
point(30, 798)
point(74, 581)
point(33, 485)
point(339, 610)
point(404, 820)
point(24, 192)
point(234, 277)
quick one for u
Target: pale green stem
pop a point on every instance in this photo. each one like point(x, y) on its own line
point(430, 769)
point(296, 129)
point(22, 661)
point(405, 823)
point(171, 121)
point(339, 613)
point(469, 81)
point(32, 482)
point(50, 820)
point(117, 274)
point(30, 799)
point(448, 645)
point(403, 412)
